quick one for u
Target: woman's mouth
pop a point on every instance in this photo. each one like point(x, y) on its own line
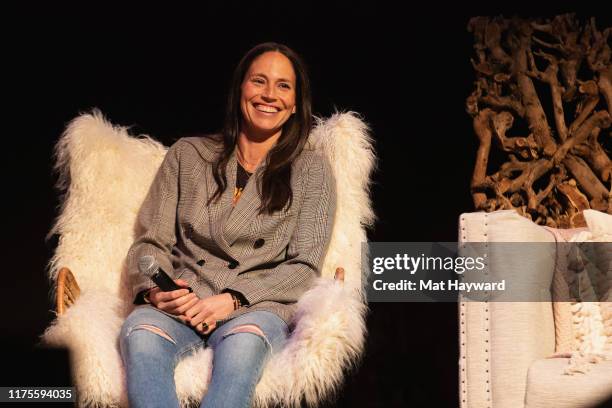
point(266, 109)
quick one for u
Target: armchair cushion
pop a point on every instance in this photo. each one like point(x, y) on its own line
point(591, 321)
point(105, 173)
point(548, 386)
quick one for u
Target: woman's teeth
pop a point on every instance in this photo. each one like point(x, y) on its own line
point(267, 109)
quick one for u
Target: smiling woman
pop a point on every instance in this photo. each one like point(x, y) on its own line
point(247, 215)
point(268, 97)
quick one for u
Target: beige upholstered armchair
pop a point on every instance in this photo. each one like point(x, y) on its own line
point(105, 174)
point(533, 354)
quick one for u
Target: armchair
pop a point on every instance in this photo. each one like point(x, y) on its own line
point(517, 354)
point(104, 174)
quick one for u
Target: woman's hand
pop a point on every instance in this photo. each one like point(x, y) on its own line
point(175, 302)
point(209, 310)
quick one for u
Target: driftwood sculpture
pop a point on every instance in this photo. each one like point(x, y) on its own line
point(543, 94)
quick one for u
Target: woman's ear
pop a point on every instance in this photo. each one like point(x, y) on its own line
point(293, 110)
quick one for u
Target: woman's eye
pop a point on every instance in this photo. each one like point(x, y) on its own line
point(258, 80)
point(286, 86)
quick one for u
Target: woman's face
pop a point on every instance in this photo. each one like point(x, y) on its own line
point(268, 93)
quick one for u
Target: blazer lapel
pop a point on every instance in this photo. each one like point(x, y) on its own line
point(219, 210)
point(246, 208)
point(227, 223)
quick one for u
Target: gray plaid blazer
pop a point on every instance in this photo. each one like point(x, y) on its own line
point(270, 259)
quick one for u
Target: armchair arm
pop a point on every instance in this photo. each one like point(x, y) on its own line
point(67, 290)
point(499, 340)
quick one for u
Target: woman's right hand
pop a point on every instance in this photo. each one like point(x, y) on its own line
point(175, 302)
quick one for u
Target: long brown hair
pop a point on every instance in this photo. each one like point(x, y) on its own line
point(274, 185)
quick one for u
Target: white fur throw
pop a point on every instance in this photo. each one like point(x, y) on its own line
point(105, 174)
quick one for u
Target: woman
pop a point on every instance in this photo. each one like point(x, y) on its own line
point(243, 219)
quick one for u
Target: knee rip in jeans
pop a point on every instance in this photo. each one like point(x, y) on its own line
point(155, 330)
point(247, 328)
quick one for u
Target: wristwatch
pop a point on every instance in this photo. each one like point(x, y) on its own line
point(237, 297)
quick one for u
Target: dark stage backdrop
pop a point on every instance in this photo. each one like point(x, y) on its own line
point(166, 73)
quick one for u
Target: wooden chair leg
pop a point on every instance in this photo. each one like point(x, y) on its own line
point(339, 275)
point(67, 292)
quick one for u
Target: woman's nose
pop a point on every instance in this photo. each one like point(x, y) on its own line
point(269, 92)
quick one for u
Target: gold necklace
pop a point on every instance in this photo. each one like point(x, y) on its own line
point(247, 166)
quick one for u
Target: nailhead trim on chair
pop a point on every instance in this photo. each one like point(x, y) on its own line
point(462, 339)
point(487, 336)
point(462, 328)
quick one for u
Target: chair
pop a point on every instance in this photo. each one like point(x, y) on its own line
point(516, 354)
point(105, 174)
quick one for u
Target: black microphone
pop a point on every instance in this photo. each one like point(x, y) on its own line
point(149, 267)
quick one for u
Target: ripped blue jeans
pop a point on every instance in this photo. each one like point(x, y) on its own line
point(153, 343)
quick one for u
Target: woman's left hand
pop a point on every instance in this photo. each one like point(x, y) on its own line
point(209, 310)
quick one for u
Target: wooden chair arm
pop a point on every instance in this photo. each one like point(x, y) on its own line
point(67, 291)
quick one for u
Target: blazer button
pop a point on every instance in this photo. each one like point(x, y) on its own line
point(232, 265)
point(201, 262)
point(259, 243)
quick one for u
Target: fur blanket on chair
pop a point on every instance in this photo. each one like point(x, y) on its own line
point(105, 173)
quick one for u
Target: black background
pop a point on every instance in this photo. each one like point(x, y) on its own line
point(165, 72)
